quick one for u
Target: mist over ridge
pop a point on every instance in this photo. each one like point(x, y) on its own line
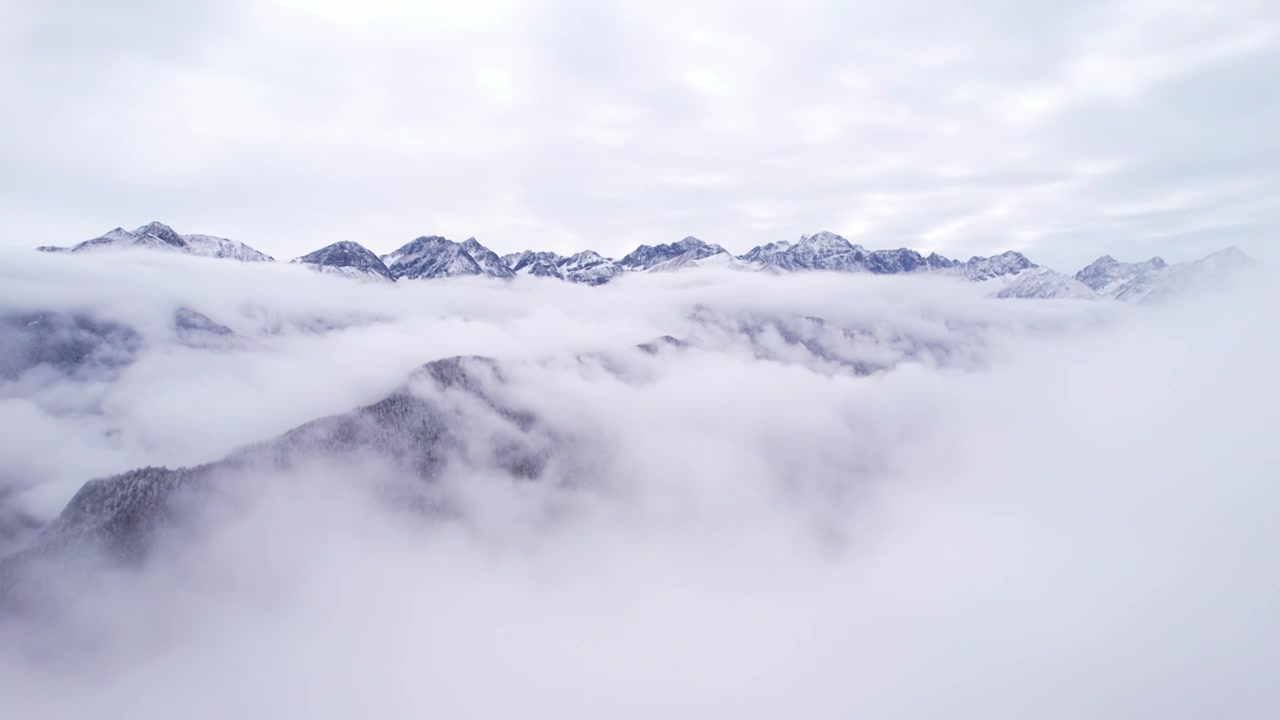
point(849, 483)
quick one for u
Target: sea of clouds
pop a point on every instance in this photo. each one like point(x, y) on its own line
point(836, 496)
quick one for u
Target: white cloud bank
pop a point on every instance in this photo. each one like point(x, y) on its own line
point(1029, 509)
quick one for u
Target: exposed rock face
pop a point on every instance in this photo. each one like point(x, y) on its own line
point(980, 268)
point(536, 264)
point(671, 256)
point(589, 268)
point(348, 259)
point(431, 257)
point(1106, 275)
point(489, 262)
point(828, 251)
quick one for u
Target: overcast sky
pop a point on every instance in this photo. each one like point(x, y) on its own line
point(1063, 129)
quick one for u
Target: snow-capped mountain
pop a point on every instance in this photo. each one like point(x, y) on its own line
point(979, 268)
point(1106, 275)
point(218, 247)
point(1107, 278)
point(1173, 280)
point(346, 259)
point(902, 260)
point(671, 256)
point(535, 264)
point(829, 251)
point(1043, 283)
point(158, 236)
point(820, 251)
point(488, 260)
point(587, 267)
point(430, 257)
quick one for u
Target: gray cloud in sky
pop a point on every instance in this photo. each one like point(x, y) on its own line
point(1065, 130)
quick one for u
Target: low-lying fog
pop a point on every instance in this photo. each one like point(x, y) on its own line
point(826, 496)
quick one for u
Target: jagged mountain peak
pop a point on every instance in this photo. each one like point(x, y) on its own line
point(435, 256)
point(536, 264)
point(820, 251)
point(347, 259)
point(422, 240)
point(161, 232)
point(488, 260)
point(431, 256)
point(156, 235)
point(1009, 262)
point(1159, 284)
point(1106, 275)
point(825, 238)
point(587, 256)
point(687, 250)
point(589, 268)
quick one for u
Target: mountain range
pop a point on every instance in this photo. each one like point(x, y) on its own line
point(1011, 273)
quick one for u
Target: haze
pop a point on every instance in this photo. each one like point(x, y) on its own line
point(1050, 508)
point(417, 478)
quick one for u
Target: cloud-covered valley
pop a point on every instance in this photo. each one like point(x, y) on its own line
point(705, 493)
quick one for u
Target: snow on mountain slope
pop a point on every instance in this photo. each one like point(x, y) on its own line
point(218, 247)
point(690, 260)
point(431, 257)
point(535, 264)
point(589, 268)
point(670, 256)
point(820, 251)
point(829, 251)
point(346, 259)
point(1171, 281)
point(825, 251)
point(1106, 275)
point(489, 262)
point(980, 268)
point(1042, 283)
point(901, 260)
point(158, 236)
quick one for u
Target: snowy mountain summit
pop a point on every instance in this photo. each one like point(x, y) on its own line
point(346, 259)
point(689, 252)
point(431, 256)
point(158, 236)
point(1009, 274)
point(829, 251)
point(1106, 275)
point(1044, 283)
point(1156, 284)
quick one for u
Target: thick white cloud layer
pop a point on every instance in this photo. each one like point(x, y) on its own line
point(1037, 509)
point(1065, 130)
